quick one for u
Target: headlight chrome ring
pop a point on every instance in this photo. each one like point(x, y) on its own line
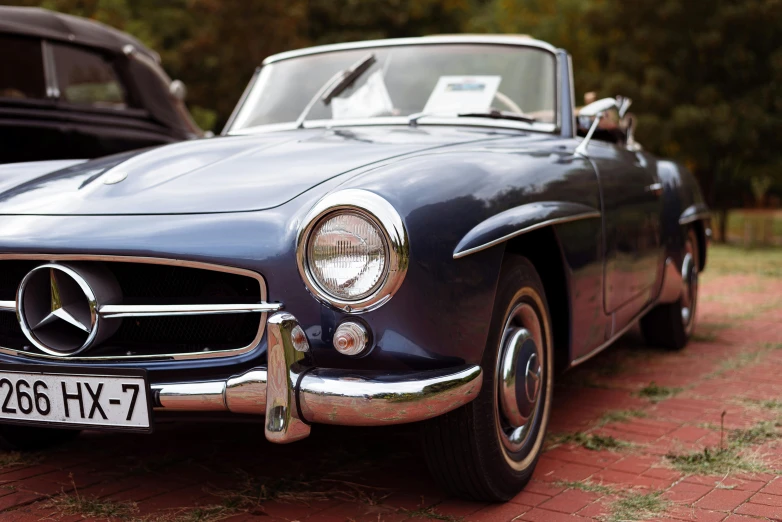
point(379, 213)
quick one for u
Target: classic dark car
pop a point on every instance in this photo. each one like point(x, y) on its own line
point(387, 232)
point(74, 88)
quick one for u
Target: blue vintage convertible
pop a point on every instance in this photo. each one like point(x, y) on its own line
point(413, 230)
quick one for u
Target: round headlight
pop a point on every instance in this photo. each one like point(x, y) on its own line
point(347, 255)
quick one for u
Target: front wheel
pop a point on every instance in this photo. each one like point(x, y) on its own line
point(27, 438)
point(671, 325)
point(488, 449)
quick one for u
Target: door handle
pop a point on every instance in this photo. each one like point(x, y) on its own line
point(655, 188)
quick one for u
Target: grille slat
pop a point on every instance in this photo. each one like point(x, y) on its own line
point(157, 282)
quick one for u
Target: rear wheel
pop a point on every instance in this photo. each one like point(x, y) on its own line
point(671, 325)
point(27, 438)
point(488, 449)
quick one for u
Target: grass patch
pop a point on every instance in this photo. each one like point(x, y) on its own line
point(735, 363)
point(630, 505)
point(9, 459)
point(704, 337)
point(197, 514)
point(91, 507)
point(730, 260)
point(771, 405)
point(430, 513)
point(745, 359)
point(590, 441)
point(252, 493)
point(656, 393)
point(715, 462)
point(757, 310)
point(729, 458)
point(638, 506)
point(757, 434)
point(621, 416)
point(589, 487)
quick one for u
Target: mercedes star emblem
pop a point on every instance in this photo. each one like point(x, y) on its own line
point(58, 309)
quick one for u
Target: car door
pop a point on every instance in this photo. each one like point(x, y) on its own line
point(632, 206)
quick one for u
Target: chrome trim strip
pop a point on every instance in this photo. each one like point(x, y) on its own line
point(518, 41)
point(525, 230)
point(390, 224)
point(117, 311)
point(154, 261)
point(8, 306)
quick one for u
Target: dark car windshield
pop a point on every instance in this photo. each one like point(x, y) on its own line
point(408, 79)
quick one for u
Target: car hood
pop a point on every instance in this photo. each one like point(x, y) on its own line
point(227, 174)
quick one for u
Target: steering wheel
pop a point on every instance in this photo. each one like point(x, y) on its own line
point(507, 102)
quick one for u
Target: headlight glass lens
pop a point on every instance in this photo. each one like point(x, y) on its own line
point(347, 255)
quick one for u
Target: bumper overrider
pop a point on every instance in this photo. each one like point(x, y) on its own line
point(293, 394)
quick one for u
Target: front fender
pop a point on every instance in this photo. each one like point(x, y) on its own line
point(451, 202)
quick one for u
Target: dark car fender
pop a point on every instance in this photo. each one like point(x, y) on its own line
point(460, 209)
point(683, 207)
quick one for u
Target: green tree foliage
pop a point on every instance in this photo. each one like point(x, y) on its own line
point(707, 77)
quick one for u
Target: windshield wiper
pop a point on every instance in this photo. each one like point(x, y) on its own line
point(494, 114)
point(336, 86)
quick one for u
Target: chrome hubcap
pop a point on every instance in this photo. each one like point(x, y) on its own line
point(520, 374)
point(689, 285)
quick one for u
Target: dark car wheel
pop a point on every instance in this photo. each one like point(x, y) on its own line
point(26, 438)
point(671, 325)
point(488, 449)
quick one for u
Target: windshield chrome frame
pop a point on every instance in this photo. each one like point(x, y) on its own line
point(506, 41)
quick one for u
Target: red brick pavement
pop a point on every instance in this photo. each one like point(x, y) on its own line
point(218, 471)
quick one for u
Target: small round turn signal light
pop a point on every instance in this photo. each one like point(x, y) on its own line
point(351, 338)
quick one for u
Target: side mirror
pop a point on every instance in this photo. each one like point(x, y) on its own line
point(623, 104)
point(629, 122)
point(177, 89)
point(591, 115)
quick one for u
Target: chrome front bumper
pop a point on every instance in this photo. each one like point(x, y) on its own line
point(294, 394)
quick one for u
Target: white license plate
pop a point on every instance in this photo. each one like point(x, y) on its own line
point(115, 401)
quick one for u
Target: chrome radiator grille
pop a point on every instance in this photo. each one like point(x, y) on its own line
point(168, 308)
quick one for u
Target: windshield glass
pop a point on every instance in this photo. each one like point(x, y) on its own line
point(438, 79)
